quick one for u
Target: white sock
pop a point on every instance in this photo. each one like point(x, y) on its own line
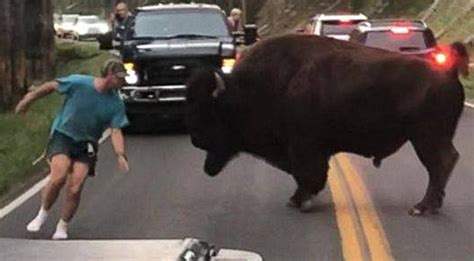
point(61, 230)
point(38, 221)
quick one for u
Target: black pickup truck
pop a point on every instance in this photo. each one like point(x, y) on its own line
point(160, 48)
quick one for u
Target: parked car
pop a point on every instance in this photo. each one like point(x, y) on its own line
point(64, 25)
point(409, 37)
point(89, 26)
point(336, 26)
point(162, 46)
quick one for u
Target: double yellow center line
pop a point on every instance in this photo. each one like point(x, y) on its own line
point(362, 234)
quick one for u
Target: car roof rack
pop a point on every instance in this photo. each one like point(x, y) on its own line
point(394, 22)
point(336, 16)
point(177, 6)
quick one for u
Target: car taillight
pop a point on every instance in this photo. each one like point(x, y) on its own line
point(400, 30)
point(345, 22)
point(440, 58)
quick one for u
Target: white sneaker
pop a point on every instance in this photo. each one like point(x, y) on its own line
point(34, 226)
point(38, 221)
point(61, 231)
point(59, 235)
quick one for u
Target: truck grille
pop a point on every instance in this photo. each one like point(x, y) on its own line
point(173, 71)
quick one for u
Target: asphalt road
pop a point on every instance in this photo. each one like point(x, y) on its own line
point(167, 196)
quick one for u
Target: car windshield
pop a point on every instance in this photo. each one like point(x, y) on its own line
point(89, 20)
point(168, 24)
point(339, 27)
point(411, 41)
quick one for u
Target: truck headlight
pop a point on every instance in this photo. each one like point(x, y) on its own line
point(228, 65)
point(132, 76)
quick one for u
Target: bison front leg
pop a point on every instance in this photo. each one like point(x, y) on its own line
point(310, 173)
point(439, 156)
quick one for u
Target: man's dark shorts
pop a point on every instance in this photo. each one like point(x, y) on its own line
point(82, 151)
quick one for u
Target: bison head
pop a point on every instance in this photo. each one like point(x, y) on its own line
point(207, 119)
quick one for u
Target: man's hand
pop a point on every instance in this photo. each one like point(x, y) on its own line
point(22, 106)
point(37, 93)
point(123, 164)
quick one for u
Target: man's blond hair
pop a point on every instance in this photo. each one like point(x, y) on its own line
point(236, 11)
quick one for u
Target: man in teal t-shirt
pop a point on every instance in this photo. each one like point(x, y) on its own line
point(91, 106)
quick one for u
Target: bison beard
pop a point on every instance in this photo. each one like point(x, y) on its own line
point(296, 100)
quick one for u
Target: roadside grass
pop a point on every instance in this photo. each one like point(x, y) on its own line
point(23, 138)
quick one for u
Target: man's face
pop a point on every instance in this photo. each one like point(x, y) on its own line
point(236, 17)
point(121, 10)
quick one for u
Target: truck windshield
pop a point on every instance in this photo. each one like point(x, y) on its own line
point(169, 24)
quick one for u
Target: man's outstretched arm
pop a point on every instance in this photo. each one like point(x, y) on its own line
point(37, 93)
point(118, 143)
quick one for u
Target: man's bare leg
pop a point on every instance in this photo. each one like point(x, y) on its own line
point(59, 167)
point(75, 183)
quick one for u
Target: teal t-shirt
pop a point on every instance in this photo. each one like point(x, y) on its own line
point(87, 113)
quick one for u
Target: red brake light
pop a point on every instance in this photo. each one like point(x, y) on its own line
point(345, 20)
point(440, 58)
point(399, 30)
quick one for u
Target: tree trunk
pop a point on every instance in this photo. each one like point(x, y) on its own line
point(26, 47)
point(5, 52)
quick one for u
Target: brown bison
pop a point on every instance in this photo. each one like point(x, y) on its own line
point(296, 100)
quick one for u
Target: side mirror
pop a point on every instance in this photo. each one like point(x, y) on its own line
point(239, 37)
point(251, 34)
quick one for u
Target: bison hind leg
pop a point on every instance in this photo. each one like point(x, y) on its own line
point(439, 156)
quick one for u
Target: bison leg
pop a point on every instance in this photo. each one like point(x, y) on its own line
point(310, 173)
point(439, 156)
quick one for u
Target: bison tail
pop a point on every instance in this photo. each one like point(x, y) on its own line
point(461, 59)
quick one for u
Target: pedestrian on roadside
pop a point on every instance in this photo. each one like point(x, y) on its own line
point(91, 106)
point(235, 20)
point(119, 19)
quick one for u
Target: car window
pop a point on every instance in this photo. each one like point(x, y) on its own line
point(411, 41)
point(89, 20)
point(166, 24)
point(69, 19)
point(339, 27)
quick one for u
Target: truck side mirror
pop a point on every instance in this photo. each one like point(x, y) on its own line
point(251, 34)
point(239, 37)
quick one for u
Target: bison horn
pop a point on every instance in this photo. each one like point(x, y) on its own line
point(220, 85)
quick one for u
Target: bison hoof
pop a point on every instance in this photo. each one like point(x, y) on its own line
point(292, 204)
point(307, 205)
point(421, 210)
point(416, 212)
point(304, 206)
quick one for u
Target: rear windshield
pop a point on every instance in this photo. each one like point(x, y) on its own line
point(339, 27)
point(405, 42)
point(89, 20)
point(179, 22)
